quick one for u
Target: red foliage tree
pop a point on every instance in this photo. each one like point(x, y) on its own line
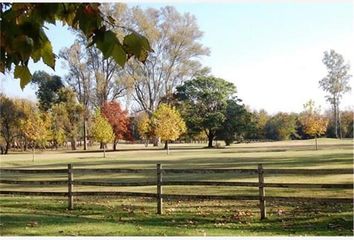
point(118, 119)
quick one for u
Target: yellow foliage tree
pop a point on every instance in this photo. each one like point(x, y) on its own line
point(312, 122)
point(167, 123)
point(102, 131)
point(36, 129)
point(144, 128)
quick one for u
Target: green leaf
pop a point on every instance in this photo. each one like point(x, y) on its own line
point(36, 55)
point(23, 74)
point(106, 43)
point(24, 45)
point(47, 54)
point(118, 54)
point(137, 45)
point(110, 46)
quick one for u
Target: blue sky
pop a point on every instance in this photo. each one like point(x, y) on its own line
point(271, 51)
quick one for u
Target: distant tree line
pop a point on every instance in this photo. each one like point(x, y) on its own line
point(202, 109)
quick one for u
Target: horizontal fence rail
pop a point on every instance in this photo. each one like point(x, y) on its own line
point(177, 170)
point(178, 196)
point(15, 170)
point(180, 183)
point(160, 182)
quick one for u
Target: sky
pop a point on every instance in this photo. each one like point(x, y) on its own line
point(271, 51)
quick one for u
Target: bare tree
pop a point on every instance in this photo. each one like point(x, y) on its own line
point(174, 38)
point(79, 78)
point(95, 79)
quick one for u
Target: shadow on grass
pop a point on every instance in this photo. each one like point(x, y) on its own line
point(214, 225)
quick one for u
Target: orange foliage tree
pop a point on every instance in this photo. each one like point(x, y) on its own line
point(118, 119)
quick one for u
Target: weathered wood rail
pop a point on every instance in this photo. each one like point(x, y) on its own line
point(159, 183)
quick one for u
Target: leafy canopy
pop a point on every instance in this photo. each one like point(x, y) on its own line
point(48, 89)
point(281, 126)
point(117, 118)
point(168, 123)
point(205, 100)
point(237, 122)
point(36, 128)
point(23, 37)
point(143, 124)
point(336, 83)
point(101, 129)
point(312, 122)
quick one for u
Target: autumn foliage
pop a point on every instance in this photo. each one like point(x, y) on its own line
point(167, 123)
point(118, 119)
point(312, 122)
point(101, 130)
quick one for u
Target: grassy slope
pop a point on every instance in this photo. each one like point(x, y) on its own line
point(126, 216)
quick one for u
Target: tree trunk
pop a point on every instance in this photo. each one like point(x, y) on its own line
point(7, 147)
point(25, 146)
point(85, 134)
point(339, 124)
point(104, 151)
point(166, 145)
point(33, 147)
point(210, 140)
point(168, 148)
point(335, 116)
point(114, 145)
point(73, 144)
point(156, 141)
point(316, 142)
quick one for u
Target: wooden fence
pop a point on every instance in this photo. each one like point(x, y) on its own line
point(160, 172)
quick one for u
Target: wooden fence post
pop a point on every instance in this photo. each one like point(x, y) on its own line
point(262, 203)
point(70, 187)
point(159, 188)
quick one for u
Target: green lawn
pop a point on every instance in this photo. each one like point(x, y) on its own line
point(128, 216)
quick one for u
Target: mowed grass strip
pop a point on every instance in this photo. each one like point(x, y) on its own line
point(137, 217)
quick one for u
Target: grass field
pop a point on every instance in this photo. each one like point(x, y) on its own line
point(136, 216)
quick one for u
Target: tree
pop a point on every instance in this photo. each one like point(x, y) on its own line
point(281, 126)
point(259, 119)
point(66, 115)
point(23, 37)
point(26, 108)
point(48, 88)
point(118, 119)
point(347, 123)
point(88, 66)
point(205, 100)
point(144, 128)
point(237, 122)
point(102, 131)
point(9, 121)
point(313, 124)
point(79, 78)
point(175, 39)
point(168, 123)
point(336, 84)
point(57, 132)
point(36, 129)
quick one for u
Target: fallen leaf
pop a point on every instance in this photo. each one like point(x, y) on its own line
point(32, 224)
